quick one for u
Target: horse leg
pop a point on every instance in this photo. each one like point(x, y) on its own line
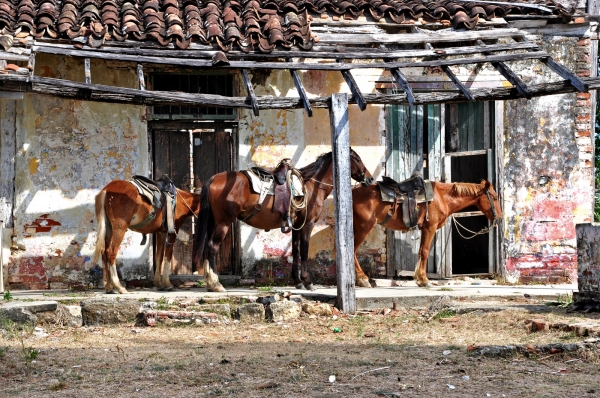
point(210, 265)
point(304, 242)
point(112, 248)
point(362, 229)
point(421, 268)
point(159, 255)
point(296, 259)
point(167, 258)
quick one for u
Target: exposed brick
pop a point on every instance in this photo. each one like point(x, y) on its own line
point(580, 20)
point(584, 42)
point(583, 133)
point(583, 73)
point(584, 95)
point(583, 118)
point(586, 103)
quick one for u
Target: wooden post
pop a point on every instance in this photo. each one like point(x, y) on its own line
point(342, 199)
point(1, 257)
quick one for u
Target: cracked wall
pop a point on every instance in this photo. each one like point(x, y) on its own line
point(66, 151)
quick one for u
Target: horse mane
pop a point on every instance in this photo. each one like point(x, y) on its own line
point(310, 170)
point(466, 189)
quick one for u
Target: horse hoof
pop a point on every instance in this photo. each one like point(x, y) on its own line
point(363, 283)
point(123, 291)
point(113, 291)
point(311, 287)
point(218, 289)
point(299, 286)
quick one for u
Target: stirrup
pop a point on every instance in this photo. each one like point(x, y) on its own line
point(286, 228)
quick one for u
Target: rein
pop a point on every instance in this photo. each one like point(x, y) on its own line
point(186, 205)
point(484, 230)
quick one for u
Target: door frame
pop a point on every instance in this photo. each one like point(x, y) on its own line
point(178, 125)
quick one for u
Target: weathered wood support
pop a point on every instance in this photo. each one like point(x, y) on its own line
point(510, 75)
point(31, 64)
point(88, 72)
point(301, 92)
point(360, 99)
point(403, 83)
point(566, 74)
point(342, 199)
point(1, 257)
point(446, 69)
point(250, 90)
point(141, 80)
point(102, 93)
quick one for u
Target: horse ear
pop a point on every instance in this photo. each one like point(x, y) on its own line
point(487, 184)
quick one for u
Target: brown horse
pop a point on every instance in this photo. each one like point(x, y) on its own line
point(119, 206)
point(227, 196)
point(369, 209)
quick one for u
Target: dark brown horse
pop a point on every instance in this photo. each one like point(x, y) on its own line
point(227, 196)
point(369, 209)
point(119, 206)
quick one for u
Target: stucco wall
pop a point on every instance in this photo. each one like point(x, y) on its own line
point(547, 136)
point(277, 134)
point(66, 151)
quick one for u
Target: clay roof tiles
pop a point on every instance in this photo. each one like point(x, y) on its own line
point(229, 24)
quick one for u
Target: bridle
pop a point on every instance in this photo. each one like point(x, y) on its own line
point(484, 230)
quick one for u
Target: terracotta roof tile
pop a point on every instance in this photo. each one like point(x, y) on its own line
point(229, 24)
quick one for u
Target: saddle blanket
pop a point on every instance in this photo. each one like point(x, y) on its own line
point(422, 196)
point(256, 183)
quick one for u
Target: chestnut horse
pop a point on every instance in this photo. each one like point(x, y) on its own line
point(118, 206)
point(227, 196)
point(369, 209)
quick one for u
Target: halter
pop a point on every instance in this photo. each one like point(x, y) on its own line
point(484, 230)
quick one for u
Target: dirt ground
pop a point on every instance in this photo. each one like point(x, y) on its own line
point(404, 353)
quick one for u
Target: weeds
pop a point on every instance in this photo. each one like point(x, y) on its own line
point(7, 296)
point(200, 284)
point(14, 331)
point(445, 289)
point(445, 313)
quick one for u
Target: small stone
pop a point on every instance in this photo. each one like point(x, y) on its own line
point(446, 352)
point(283, 311)
point(266, 300)
point(251, 312)
point(321, 309)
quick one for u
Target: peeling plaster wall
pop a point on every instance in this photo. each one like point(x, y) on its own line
point(547, 136)
point(278, 134)
point(66, 151)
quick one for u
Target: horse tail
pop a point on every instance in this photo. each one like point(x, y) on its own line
point(101, 219)
point(204, 224)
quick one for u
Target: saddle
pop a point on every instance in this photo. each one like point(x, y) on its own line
point(281, 190)
point(405, 193)
point(159, 193)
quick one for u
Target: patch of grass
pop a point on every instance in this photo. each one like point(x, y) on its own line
point(200, 284)
point(265, 288)
point(445, 289)
point(3, 351)
point(565, 300)
point(61, 385)
point(69, 301)
point(7, 295)
point(445, 313)
point(161, 303)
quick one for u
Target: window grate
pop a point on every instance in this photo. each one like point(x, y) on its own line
point(194, 84)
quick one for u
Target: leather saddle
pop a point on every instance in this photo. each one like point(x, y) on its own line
point(283, 195)
point(405, 193)
point(160, 193)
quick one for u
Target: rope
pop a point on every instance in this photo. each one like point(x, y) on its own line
point(185, 203)
point(485, 230)
point(321, 182)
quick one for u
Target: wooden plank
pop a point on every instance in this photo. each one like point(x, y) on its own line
point(301, 92)
point(512, 78)
point(1, 256)
point(318, 51)
point(467, 153)
point(342, 199)
point(88, 73)
point(7, 56)
point(468, 214)
point(458, 83)
point(205, 63)
point(492, 233)
point(250, 91)
point(8, 152)
point(566, 74)
point(524, 5)
point(499, 184)
point(31, 64)
point(414, 38)
point(141, 80)
point(403, 83)
point(360, 100)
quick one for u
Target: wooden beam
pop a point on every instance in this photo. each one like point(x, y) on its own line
point(360, 99)
point(102, 93)
point(301, 92)
point(250, 90)
point(510, 76)
point(446, 69)
point(88, 73)
point(403, 83)
point(31, 64)
point(318, 51)
point(207, 63)
point(141, 80)
point(342, 200)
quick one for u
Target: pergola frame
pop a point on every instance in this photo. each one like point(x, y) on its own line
point(338, 49)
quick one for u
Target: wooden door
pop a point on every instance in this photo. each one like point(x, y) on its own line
point(172, 158)
point(415, 144)
point(212, 153)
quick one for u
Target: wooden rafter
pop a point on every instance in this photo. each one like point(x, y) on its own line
point(360, 99)
point(403, 83)
point(446, 69)
point(141, 80)
point(250, 90)
point(301, 92)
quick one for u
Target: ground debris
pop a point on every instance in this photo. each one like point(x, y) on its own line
point(529, 349)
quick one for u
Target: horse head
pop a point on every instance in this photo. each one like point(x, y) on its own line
point(358, 170)
point(488, 202)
